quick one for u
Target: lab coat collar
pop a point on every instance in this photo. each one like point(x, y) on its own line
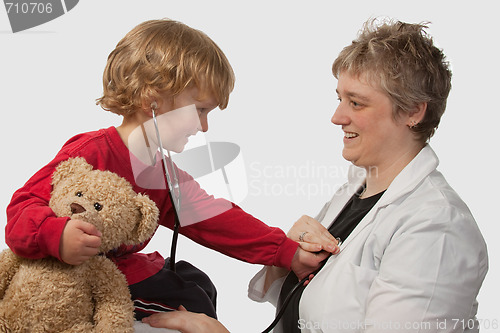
point(420, 167)
point(406, 181)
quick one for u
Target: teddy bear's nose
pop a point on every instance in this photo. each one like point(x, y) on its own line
point(76, 208)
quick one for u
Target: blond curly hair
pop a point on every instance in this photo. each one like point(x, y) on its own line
point(163, 56)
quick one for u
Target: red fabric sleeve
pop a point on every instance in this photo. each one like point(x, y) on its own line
point(240, 235)
point(226, 228)
point(33, 231)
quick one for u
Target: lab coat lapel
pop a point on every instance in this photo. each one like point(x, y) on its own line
point(356, 178)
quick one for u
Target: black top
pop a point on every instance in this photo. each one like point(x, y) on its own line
point(344, 224)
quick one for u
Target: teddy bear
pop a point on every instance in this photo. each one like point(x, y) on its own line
point(47, 295)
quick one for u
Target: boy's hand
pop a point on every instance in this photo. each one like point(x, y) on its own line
point(80, 241)
point(304, 263)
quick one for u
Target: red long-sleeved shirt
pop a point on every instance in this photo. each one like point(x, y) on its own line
point(33, 230)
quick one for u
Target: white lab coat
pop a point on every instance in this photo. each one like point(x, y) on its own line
point(414, 263)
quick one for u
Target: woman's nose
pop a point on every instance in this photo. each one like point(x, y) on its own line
point(339, 116)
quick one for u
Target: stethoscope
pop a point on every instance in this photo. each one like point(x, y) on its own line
point(173, 186)
point(292, 292)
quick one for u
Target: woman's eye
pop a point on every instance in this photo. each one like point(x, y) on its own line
point(355, 104)
point(79, 194)
point(98, 206)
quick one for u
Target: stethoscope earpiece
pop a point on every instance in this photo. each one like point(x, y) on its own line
point(154, 106)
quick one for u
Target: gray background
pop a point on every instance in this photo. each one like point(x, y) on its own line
point(279, 112)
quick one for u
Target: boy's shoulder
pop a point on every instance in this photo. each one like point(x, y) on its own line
point(99, 139)
point(81, 139)
point(97, 147)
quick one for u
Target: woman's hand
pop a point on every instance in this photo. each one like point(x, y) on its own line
point(185, 322)
point(313, 236)
point(316, 244)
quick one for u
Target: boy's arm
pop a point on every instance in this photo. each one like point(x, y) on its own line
point(226, 228)
point(32, 230)
point(241, 236)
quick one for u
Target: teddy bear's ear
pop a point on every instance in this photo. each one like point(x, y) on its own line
point(149, 219)
point(76, 165)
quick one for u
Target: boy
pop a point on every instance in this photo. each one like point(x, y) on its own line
point(157, 67)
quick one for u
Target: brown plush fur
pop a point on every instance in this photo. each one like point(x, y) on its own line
point(47, 295)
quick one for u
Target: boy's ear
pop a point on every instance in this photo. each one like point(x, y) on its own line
point(72, 166)
point(147, 105)
point(150, 100)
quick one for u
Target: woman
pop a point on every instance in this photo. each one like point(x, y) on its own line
point(412, 258)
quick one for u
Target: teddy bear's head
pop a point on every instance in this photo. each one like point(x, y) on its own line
point(104, 199)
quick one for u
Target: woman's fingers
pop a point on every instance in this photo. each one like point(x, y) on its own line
point(310, 247)
point(311, 235)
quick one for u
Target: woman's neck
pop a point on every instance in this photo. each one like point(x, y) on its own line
point(379, 178)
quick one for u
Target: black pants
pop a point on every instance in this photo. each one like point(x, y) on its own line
point(167, 290)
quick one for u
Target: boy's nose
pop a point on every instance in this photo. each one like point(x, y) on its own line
point(204, 123)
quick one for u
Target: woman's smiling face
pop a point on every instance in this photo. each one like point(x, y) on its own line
point(372, 136)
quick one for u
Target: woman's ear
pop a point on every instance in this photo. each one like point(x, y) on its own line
point(417, 114)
